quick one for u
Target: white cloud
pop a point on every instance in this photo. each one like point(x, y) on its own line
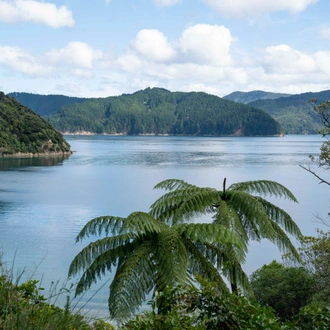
point(153, 45)
point(76, 54)
point(283, 59)
point(325, 33)
point(208, 44)
point(129, 63)
point(20, 61)
point(254, 8)
point(165, 3)
point(322, 61)
point(15, 11)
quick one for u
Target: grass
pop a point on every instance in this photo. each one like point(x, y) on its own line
point(23, 306)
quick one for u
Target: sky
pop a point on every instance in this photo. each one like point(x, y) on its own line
point(105, 48)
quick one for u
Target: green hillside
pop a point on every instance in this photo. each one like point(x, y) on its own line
point(295, 113)
point(45, 105)
point(23, 131)
point(247, 97)
point(159, 111)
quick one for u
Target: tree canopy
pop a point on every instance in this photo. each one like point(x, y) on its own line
point(23, 131)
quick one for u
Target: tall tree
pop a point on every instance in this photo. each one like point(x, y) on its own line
point(248, 215)
point(149, 255)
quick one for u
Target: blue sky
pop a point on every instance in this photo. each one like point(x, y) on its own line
point(103, 48)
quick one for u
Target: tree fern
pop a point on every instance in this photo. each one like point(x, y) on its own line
point(149, 255)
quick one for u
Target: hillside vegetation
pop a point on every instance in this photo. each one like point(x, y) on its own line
point(247, 97)
point(23, 131)
point(45, 105)
point(295, 113)
point(159, 111)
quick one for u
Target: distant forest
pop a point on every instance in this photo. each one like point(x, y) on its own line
point(153, 111)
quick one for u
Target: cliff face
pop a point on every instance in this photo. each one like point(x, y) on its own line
point(24, 133)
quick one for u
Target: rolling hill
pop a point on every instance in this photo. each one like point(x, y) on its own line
point(159, 111)
point(24, 132)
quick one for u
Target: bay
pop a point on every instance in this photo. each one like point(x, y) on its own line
point(45, 202)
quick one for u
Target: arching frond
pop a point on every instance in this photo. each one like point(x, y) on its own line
point(133, 281)
point(283, 242)
point(103, 263)
point(209, 233)
point(227, 216)
point(173, 184)
point(264, 187)
point(184, 204)
point(254, 218)
point(171, 258)
point(281, 217)
point(141, 223)
point(201, 266)
point(93, 250)
point(99, 225)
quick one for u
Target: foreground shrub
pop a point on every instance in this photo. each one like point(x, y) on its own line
point(24, 307)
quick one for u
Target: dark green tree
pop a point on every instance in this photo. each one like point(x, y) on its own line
point(150, 255)
point(240, 208)
point(285, 289)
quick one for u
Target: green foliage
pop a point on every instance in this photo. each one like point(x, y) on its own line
point(158, 111)
point(205, 308)
point(24, 307)
point(150, 255)
point(285, 289)
point(45, 105)
point(294, 113)
point(240, 208)
point(23, 131)
point(315, 253)
point(247, 97)
point(310, 317)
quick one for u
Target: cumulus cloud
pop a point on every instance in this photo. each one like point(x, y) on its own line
point(208, 44)
point(254, 8)
point(165, 3)
point(20, 61)
point(286, 60)
point(16, 11)
point(153, 45)
point(77, 54)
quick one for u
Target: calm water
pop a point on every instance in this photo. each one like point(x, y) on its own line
point(44, 203)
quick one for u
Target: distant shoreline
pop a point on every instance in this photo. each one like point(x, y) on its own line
point(85, 133)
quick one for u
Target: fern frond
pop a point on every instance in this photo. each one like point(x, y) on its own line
point(283, 242)
point(209, 233)
point(228, 217)
point(263, 188)
point(171, 259)
point(99, 225)
point(87, 255)
point(141, 223)
point(282, 218)
point(173, 184)
point(252, 213)
point(184, 204)
point(133, 281)
point(200, 265)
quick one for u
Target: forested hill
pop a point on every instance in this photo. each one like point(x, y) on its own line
point(45, 105)
point(295, 113)
point(247, 97)
point(23, 131)
point(159, 111)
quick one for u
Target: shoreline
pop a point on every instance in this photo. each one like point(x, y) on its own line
point(86, 133)
point(32, 155)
